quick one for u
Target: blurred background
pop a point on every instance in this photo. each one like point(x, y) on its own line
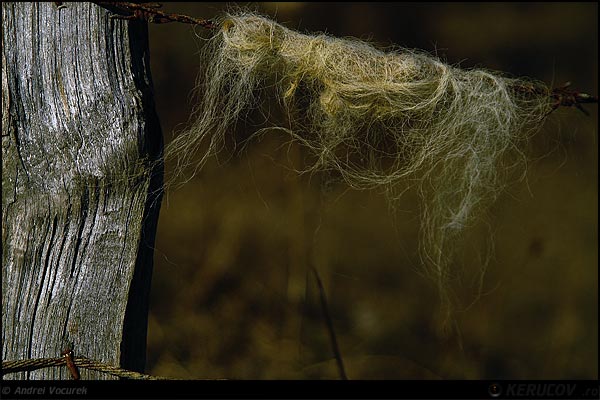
point(232, 296)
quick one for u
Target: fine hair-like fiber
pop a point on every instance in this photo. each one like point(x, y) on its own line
point(377, 118)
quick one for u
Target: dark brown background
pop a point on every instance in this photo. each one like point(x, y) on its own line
point(231, 297)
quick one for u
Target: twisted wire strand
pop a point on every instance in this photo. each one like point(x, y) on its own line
point(81, 362)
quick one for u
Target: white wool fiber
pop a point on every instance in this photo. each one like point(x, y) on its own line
point(377, 118)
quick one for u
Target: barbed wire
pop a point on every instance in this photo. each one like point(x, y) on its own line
point(81, 362)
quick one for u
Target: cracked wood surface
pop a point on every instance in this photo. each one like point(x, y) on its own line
point(80, 186)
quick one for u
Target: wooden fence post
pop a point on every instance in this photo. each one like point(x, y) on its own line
point(81, 186)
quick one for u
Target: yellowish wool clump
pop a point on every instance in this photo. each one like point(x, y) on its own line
point(377, 118)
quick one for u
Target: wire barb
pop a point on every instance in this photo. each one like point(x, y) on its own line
point(68, 356)
point(149, 12)
point(81, 362)
point(570, 98)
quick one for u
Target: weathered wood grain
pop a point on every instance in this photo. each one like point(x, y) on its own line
point(80, 186)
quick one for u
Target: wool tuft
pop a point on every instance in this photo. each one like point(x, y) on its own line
point(377, 118)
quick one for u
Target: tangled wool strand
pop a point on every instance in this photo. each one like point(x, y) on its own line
point(377, 118)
